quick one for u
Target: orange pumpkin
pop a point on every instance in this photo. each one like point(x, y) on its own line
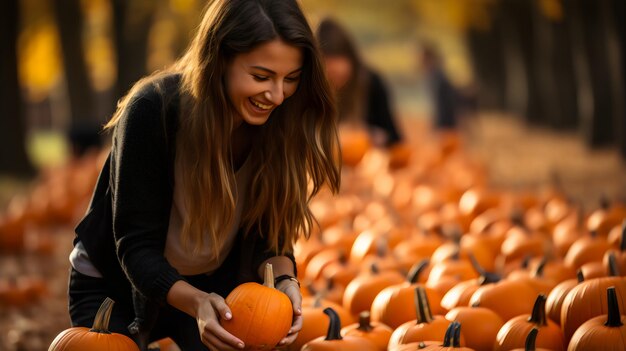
point(531, 339)
point(314, 320)
point(378, 333)
point(262, 315)
point(554, 302)
point(98, 338)
point(498, 297)
point(395, 304)
point(606, 330)
point(362, 290)
point(462, 292)
point(451, 341)
point(334, 340)
point(480, 325)
point(355, 142)
point(514, 332)
point(425, 327)
point(587, 300)
point(586, 249)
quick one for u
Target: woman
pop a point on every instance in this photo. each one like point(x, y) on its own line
point(211, 168)
point(361, 94)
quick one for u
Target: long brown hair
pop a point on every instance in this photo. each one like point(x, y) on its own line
point(298, 148)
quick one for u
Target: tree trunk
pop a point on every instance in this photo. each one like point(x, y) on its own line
point(13, 157)
point(132, 21)
point(70, 24)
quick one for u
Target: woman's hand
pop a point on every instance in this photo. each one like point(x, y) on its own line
point(292, 290)
point(210, 310)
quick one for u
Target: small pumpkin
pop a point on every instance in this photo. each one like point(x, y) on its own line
point(378, 333)
point(480, 325)
point(425, 327)
point(513, 333)
point(362, 290)
point(262, 315)
point(334, 340)
point(395, 304)
point(451, 341)
point(587, 300)
point(314, 321)
point(531, 339)
point(498, 297)
point(554, 302)
point(98, 338)
point(589, 248)
point(607, 329)
point(461, 293)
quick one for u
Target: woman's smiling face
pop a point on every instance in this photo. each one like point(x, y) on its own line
point(260, 80)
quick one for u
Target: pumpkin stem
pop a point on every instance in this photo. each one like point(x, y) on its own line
point(613, 268)
point(525, 262)
point(382, 246)
point(447, 338)
point(417, 270)
point(103, 316)
point(530, 339)
point(374, 268)
point(456, 337)
point(485, 277)
point(330, 284)
point(622, 244)
point(539, 270)
point(422, 307)
point(268, 279)
point(614, 318)
point(580, 276)
point(364, 322)
point(538, 316)
point(334, 327)
point(343, 258)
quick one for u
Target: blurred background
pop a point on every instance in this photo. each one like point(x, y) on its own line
point(541, 81)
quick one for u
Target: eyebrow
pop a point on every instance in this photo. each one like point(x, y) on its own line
point(272, 72)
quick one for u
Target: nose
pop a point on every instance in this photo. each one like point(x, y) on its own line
point(276, 95)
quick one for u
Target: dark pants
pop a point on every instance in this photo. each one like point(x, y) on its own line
point(86, 294)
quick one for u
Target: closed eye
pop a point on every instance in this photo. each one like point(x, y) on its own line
point(260, 78)
point(292, 79)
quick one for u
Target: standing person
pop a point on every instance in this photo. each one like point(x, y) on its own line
point(362, 96)
point(444, 96)
point(211, 168)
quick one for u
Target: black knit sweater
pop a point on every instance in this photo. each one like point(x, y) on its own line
point(125, 228)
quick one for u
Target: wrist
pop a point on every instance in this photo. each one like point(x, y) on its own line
point(286, 278)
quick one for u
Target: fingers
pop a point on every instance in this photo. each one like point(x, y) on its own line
point(212, 334)
point(215, 337)
point(293, 331)
point(220, 306)
point(292, 290)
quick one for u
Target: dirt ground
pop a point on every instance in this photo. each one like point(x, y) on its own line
point(515, 156)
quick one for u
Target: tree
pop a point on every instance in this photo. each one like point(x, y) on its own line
point(13, 157)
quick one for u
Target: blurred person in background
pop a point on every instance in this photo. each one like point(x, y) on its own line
point(212, 165)
point(362, 97)
point(450, 104)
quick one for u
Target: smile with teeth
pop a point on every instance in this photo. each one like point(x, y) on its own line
point(260, 105)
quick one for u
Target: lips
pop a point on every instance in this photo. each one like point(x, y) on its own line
point(261, 106)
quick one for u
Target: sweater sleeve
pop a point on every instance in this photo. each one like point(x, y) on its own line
point(142, 198)
point(379, 111)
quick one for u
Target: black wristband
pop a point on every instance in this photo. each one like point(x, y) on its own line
point(280, 278)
